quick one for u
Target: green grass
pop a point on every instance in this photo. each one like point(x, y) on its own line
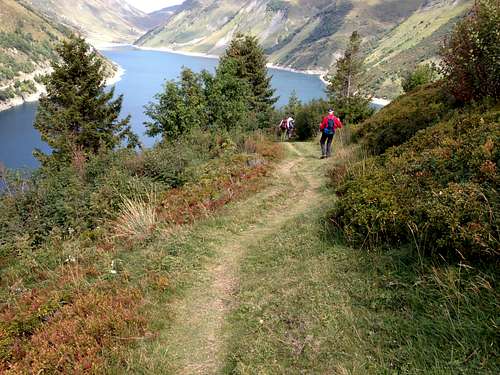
point(304, 303)
point(181, 257)
point(309, 305)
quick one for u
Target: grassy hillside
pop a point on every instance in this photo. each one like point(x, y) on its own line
point(310, 34)
point(26, 46)
point(101, 21)
point(414, 41)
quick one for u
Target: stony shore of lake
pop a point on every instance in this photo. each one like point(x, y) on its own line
point(26, 98)
point(40, 89)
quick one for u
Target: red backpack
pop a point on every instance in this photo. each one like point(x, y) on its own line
point(284, 124)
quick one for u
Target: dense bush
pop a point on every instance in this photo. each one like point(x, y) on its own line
point(421, 75)
point(438, 191)
point(309, 117)
point(7, 94)
point(76, 198)
point(403, 118)
point(71, 199)
point(471, 53)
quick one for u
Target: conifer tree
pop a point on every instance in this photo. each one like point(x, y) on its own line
point(346, 80)
point(77, 113)
point(293, 106)
point(251, 66)
point(345, 85)
point(228, 97)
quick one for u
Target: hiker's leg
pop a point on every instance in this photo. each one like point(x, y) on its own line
point(322, 143)
point(329, 145)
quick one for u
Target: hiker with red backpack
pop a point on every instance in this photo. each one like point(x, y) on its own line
point(285, 127)
point(327, 128)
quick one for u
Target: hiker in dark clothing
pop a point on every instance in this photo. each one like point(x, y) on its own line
point(327, 128)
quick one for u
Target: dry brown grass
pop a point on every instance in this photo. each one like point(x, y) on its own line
point(138, 217)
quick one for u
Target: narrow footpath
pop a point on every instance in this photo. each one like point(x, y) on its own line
point(195, 342)
point(198, 337)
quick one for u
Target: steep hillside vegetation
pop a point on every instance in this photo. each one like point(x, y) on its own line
point(309, 34)
point(100, 20)
point(26, 47)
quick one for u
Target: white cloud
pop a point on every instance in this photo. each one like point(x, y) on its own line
point(151, 5)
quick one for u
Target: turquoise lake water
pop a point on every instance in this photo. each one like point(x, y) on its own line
point(145, 73)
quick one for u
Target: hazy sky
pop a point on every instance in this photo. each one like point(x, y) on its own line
point(150, 5)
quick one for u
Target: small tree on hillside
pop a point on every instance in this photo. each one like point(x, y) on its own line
point(181, 107)
point(423, 74)
point(346, 80)
point(293, 106)
point(344, 88)
point(471, 62)
point(227, 95)
point(77, 114)
point(251, 66)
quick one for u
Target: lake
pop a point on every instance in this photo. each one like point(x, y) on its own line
point(145, 73)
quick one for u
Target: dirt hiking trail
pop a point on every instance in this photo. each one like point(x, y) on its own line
point(194, 343)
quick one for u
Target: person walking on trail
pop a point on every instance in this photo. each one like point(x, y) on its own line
point(284, 128)
point(291, 127)
point(327, 128)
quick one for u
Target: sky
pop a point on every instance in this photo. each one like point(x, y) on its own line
point(151, 5)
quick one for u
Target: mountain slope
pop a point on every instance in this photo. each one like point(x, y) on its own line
point(101, 21)
point(310, 34)
point(27, 42)
point(161, 16)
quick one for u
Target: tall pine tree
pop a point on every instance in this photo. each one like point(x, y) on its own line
point(77, 113)
point(228, 98)
point(293, 106)
point(251, 63)
point(346, 80)
point(345, 85)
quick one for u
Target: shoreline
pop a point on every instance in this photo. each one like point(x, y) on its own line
point(117, 77)
point(26, 98)
point(120, 72)
point(320, 73)
point(40, 89)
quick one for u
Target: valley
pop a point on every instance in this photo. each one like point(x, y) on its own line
point(303, 35)
point(311, 34)
point(166, 212)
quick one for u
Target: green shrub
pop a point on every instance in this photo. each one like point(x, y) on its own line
point(72, 199)
point(396, 123)
point(471, 52)
point(309, 117)
point(438, 191)
point(174, 163)
point(77, 198)
point(422, 75)
point(7, 94)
